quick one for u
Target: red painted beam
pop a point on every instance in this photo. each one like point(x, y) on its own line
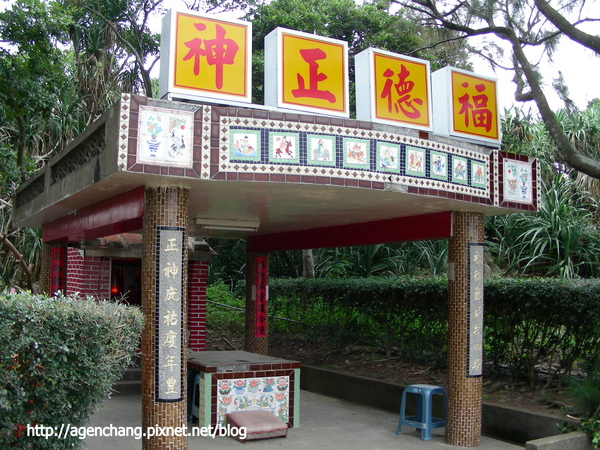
point(120, 214)
point(414, 228)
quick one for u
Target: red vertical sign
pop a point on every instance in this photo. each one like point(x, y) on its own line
point(260, 322)
point(58, 270)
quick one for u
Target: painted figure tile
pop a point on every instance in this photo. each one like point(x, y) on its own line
point(356, 153)
point(320, 150)
point(388, 157)
point(283, 147)
point(478, 174)
point(459, 170)
point(244, 145)
point(439, 166)
point(415, 161)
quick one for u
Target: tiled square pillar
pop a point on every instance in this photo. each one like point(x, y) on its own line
point(164, 303)
point(198, 275)
point(465, 310)
point(257, 276)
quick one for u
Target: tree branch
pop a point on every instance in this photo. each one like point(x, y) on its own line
point(19, 258)
point(587, 40)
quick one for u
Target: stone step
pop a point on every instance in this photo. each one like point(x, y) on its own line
point(127, 387)
point(130, 382)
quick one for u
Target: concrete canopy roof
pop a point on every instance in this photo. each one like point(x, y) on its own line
point(106, 165)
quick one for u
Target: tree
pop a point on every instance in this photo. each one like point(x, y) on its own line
point(523, 25)
point(114, 49)
point(362, 26)
point(34, 75)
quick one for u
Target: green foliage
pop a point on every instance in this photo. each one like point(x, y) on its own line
point(59, 358)
point(528, 321)
point(221, 320)
point(561, 240)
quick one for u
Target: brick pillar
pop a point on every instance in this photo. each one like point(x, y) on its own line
point(45, 269)
point(463, 424)
point(164, 303)
point(198, 275)
point(257, 275)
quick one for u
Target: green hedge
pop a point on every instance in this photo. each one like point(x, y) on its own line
point(58, 358)
point(528, 322)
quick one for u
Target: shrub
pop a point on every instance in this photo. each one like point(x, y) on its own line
point(59, 357)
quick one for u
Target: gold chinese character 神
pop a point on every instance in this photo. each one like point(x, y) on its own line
point(170, 362)
point(170, 339)
point(170, 318)
point(171, 269)
point(171, 246)
point(171, 382)
point(171, 294)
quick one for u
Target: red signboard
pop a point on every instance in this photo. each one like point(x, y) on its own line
point(260, 323)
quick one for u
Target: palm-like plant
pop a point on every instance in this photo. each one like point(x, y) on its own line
point(560, 240)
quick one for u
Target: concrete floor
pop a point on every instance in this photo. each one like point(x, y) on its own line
point(325, 423)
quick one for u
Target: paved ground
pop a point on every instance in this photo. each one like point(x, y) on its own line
point(325, 423)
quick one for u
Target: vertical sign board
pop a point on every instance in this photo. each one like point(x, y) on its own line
point(465, 106)
point(475, 336)
point(169, 313)
point(260, 292)
point(306, 72)
point(205, 58)
point(393, 89)
point(58, 270)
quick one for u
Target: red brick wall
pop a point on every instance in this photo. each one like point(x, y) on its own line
point(198, 274)
point(88, 276)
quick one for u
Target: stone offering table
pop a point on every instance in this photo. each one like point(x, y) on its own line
point(231, 381)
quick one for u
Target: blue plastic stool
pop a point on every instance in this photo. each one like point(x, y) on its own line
point(423, 420)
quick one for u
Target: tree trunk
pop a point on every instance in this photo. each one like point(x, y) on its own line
point(308, 264)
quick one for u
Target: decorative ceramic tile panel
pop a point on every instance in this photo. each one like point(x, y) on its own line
point(249, 145)
point(123, 131)
point(247, 394)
